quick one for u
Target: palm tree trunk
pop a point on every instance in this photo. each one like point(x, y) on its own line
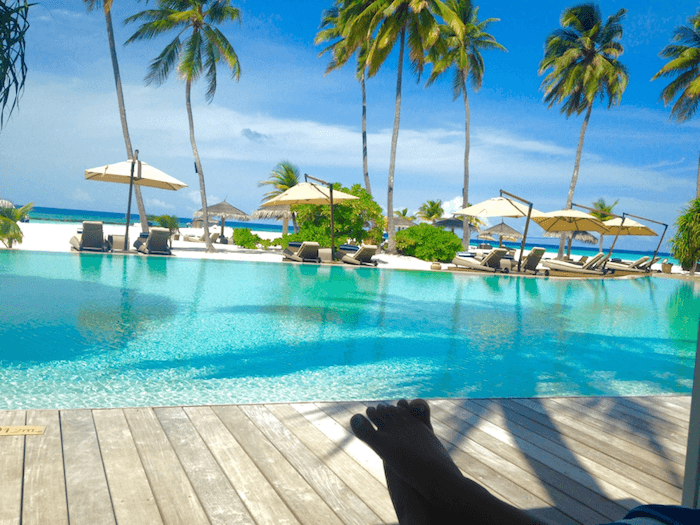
point(202, 191)
point(600, 247)
point(467, 143)
point(391, 245)
point(364, 136)
point(122, 110)
point(574, 177)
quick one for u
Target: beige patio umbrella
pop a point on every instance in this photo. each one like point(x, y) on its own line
point(569, 220)
point(224, 211)
point(134, 172)
point(629, 227)
point(310, 193)
point(276, 212)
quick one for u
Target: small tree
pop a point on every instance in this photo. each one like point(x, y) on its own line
point(685, 244)
point(171, 222)
point(601, 213)
point(431, 211)
point(9, 229)
point(428, 243)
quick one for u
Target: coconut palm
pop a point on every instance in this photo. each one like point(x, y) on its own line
point(685, 244)
point(394, 21)
point(602, 213)
point(200, 53)
point(107, 8)
point(684, 64)
point(431, 211)
point(9, 229)
point(403, 213)
point(14, 24)
point(331, 29)
point(282, 177)
point(582, 63)
point(462, 53)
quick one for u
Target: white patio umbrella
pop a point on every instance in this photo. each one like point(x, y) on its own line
point(310, 193)
point(134, 172)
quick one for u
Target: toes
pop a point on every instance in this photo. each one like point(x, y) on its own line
point(420, 409)
point(403, 404)
point(362, 428)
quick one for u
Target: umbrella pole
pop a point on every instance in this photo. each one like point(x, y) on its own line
point(128, 208)
point(654, 257)
point(522, 245)
point(615, 240)
point(330, 187)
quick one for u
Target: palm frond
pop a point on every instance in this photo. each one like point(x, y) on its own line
point(160, 67)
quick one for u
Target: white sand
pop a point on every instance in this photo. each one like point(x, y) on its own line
point(55, 237)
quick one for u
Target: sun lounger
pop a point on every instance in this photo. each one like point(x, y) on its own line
point(302, 252)
point(629, 266)
point(532, 260)
point(647, 265)
point(491, 262)
point(357, 255)
point(91, 239)
point(156, 243)
point(593, 266)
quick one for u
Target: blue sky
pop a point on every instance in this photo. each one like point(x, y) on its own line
point(285, 108)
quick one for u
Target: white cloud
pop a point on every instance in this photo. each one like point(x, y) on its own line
point(156, 203)
point(81, 195)
point(452, 206)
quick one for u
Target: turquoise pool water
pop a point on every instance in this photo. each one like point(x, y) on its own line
point(104, 330)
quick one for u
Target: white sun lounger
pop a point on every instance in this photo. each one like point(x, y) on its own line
point(629, 266)
point(491, 262)
point(593, 266)
point(305, 252)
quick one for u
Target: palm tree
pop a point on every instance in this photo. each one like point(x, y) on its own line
point(107, 8)
point(431, 211)
point(9, 229)
point(331, 29)
point(14, 24)
point(685, 244)
point(463, 54)
point(394, 20)
point(282, 177)
point(403, 213)
point(199, 53)
point(685, 66)
point(602, 213)
point(581, 58)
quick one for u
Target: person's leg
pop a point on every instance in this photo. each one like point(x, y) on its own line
point(414, 454)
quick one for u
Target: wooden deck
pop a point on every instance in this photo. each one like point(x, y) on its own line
point(567, 460)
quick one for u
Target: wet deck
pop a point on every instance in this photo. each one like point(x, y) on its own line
point(567, 460)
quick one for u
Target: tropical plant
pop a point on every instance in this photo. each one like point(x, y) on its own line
point(582, 61)
point(283, 176)
point(245, 238)
point(351, 219)
point(200, 53)
point(14, 24)
point(9, 229)
point(602, 213)
point(462, 53)
point(171, 222)
point(107, 8)
point(331, 29)
point(684, 64)
point(394, 20)
point(431, 211)
point(403, 213)
point(428, 243)
point(685, 244)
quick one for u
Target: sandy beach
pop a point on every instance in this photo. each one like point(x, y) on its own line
point(55, 237)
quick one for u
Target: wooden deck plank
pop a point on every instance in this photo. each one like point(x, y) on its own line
point(44, 493)
point(536, 478)
point(11, 466)
point(132, 497)
point(306, 504)
point(662, 407)
point(337, 495)
point(639, 459)
point(177, 500)
point(214, 491)
point(373, 493)
point(258, 495)
point(89, 501)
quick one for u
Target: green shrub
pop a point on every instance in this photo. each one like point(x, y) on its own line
point(428, 243)
point(247, 239)
point(685, 244)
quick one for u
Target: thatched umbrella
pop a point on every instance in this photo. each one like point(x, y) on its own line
point(276, 212)
point(6, 204)
point(224, 211)
point(577, 235)
point(503, 231)
point(402, 222)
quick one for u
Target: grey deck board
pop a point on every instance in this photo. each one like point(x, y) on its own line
point(565, 460)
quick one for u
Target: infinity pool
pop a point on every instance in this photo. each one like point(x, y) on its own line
point(104, 331)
